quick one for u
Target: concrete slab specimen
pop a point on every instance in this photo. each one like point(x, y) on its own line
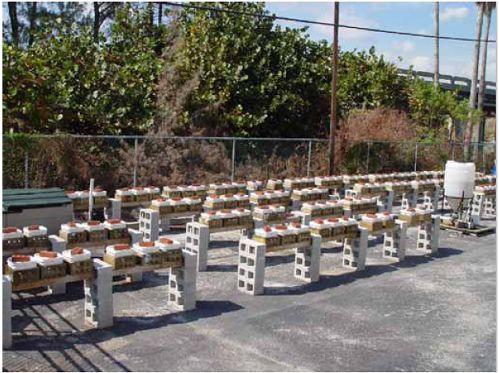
point(98, 291)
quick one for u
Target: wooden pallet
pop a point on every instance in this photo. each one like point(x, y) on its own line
point(477, 231)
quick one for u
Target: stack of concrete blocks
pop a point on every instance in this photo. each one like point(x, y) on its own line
point(197, 240)
point(99, 296)
point(409, 200)
point(7, 312)
point(58, 244)
point(182, 284)
point(115, 212)
point(149, 224)
point(482, 206)
point(428, 235)
point(307, 261)
point(251, 267)
point(386, 203)
point(355, 250)
point(394, 244)
point(430, 199)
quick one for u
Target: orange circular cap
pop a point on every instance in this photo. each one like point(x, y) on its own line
point(93, 222)
point(114, 221)
point(146, 244)
point(333, 220)
point(77, 250)
point(165, 240)
point(71, 224)
point(371, 215)
point(212, 212)
point(267, 228)
point(280, 227)
point(33, 227)
point(20, 258)
point(9, 230)
point(48, 254)
point(228, 195)
point(176, 198)
point(121, 246)
point(319, 221)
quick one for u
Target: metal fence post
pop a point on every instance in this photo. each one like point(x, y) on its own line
point(233, 161)
point(416, 157)
point(136, 152)
point(26, 169)
point(368, 155)
point(309, 157)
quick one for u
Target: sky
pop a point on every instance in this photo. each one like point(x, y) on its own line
point(456, 19)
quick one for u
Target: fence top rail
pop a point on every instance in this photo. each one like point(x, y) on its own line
point(222, 138)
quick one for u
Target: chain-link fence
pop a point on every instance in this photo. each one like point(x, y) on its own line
point(116, 161)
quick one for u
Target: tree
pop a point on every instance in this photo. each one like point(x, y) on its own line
point(14, 22)
point(32, 21)
point(437, 35)
point(474, 81)
point(102, 12)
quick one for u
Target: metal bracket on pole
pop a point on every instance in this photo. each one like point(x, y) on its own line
point(26, 169)
point(416, 157)
point(368, 155)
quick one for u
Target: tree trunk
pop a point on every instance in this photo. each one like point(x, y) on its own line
point(150, 10)
point(474, 78)
point(96, 21)
point(160, 13)
point(32, 23)
point(437, 34)
point(14, 23)
point(483, 70)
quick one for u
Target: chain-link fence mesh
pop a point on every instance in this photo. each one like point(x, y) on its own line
point(70, 161)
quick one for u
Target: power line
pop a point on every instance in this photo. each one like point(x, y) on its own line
point(306, 21)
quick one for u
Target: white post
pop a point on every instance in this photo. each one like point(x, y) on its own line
point(91, 199)
point(7, 312)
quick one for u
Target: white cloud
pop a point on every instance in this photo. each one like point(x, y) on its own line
point(452, 13)
point(347, 17)
point(403, 46)
point(423, 63)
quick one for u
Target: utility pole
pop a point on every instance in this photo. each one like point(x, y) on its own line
point(437, 34)
point(334, 79)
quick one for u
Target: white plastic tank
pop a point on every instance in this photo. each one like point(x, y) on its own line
point(459, 182)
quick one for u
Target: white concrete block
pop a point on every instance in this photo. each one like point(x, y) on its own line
point(7, 312)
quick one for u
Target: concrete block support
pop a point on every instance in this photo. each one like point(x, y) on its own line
point(115, 212)
point(394, 244)
point(197, 239)
point(307, 261)
point(355, 250)
point(428, 235)
point(7, 312)
point(251, 267)
point(57, 243)
point(409, 200)
point(135, 235)
point(182, 284)
point(149, 224)
point(99, 296)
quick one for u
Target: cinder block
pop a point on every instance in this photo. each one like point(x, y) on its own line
point(135, 235)
point(57, 243)
point(7, 312)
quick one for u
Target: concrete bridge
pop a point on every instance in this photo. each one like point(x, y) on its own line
point(462, 85)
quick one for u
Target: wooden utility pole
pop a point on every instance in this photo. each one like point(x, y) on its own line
point(436, 56)
point(334, 79)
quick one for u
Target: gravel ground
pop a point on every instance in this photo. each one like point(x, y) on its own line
point(426, 314)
